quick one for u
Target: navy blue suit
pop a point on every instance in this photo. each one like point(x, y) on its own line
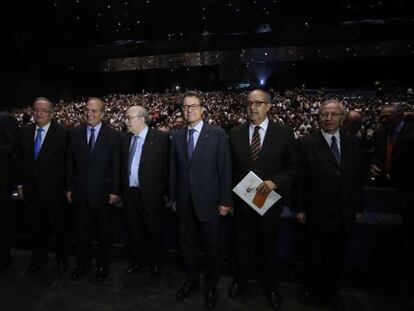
point(199, 186)
point(92, 176)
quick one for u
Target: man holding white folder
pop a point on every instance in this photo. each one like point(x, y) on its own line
point(269, 150)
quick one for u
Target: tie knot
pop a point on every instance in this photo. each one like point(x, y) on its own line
point(191, 132)
point(333, 139)
point(92, 129)
point(257, 128)
point(40, 130)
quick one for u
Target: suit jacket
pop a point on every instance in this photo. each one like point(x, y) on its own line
point(206, 178)
point(153, 168)
point(46, 175)
point(8, 136)
point(92, 176)
point(379, 144)
point(402, 163)
point(330, 193)
point(278, 160)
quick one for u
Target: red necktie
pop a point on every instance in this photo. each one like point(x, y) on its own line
point(390, 147)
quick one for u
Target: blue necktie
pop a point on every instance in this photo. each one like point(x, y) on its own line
point(190, 144)
point(38, 142)
point(335, 149)
point(132, 151)
point(91, 142)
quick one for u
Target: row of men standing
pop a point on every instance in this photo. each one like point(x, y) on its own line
point(93, 165)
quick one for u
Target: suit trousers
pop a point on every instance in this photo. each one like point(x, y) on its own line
point(94, 223)
point(144, 228)
point(47, 219)
point(325, 252)
point(256, 235)
point(196, 235)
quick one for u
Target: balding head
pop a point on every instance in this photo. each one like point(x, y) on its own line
point(136, 119)
point(391, 115)
point(353, 122)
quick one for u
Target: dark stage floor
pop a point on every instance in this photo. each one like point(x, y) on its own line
point(48, 291)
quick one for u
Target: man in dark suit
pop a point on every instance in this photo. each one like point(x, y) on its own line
point(8, 133)
point(93, 170)
point(394, 153)
point(328, 200)
point(145, 157)
point(200, 187)
point(268, 149)
point(41, 160)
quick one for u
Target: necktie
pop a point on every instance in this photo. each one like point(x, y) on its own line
point(335, 149)
point(255, 144)
point(132, 151)
point(38, 142)
point(91, 142)
point(390, 147)
point(190, 144)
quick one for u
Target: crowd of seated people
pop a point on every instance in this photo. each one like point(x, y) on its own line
point(296, 108)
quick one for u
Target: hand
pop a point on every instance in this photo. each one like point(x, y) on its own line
point(266, 187)
point(374, 170)
point(20, 193)
point(359, 217)
point(301, 217)
point(69, 196)
point(223, 210)
point(113, 199)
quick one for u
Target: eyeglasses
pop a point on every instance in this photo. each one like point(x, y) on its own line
point(332, 114)
point(190, 107)
point(255, 104)
point(42, 110)
point(130, 118)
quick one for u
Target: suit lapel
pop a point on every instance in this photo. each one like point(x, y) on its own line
point(100, 139)
point(344, 151)
point(182, 141)
point(84, 139)
point(201, 141)
point(244, 139)
point(147, 146)
point(268, 139)
point(325, 149)
point(47, 142)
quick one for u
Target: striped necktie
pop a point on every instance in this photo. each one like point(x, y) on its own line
point(255, 144)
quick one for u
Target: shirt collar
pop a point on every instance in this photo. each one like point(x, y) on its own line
point(198, 127)
point(143, 133)
point(45, 127)
point(262, 125)
point(96, 127)
point(328, 136)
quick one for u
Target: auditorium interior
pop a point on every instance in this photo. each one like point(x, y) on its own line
point(151, 52)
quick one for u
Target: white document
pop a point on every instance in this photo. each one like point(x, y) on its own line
point(246, 190)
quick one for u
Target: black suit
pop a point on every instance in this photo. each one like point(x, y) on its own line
point(144, 206)
point(8, 132)
point(278, 162)
point(91, 177)
point(379, 145)
point(43, 181)
point(402, 175)
point(199, 186)
point(330, 193)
